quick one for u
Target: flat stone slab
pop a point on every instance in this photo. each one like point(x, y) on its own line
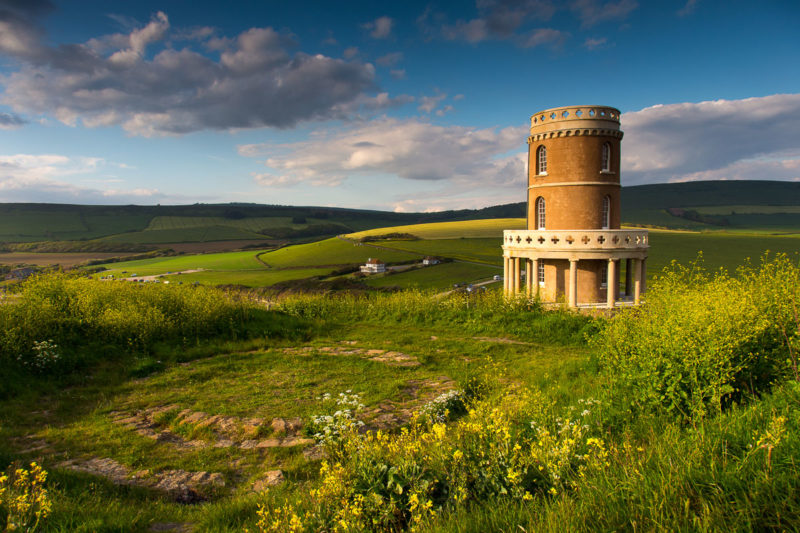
point(180, 485)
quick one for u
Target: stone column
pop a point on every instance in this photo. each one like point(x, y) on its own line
point(644, 274)
point(611, 283)
point(628, 277)
point(573, 283)
point(505, 275)
point(535, 280)
point(637, 281)
point(516, 274)
point(528, 279)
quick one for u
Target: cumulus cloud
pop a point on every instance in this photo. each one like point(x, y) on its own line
point(380, 28)
point(44, 178)
point(10, 121)
point(497, 19)
point(593, 43)
point(150, 88)
point(753, 138)
point(389, 60)
point(466, 158)
point(593, 12)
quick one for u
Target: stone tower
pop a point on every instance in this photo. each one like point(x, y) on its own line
point(573, 245)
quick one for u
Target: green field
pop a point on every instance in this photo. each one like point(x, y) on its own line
point(262, 268)
point(332, 251)
point(450, 230)
point(160, 265)
point(441, 276)
point(31, 225)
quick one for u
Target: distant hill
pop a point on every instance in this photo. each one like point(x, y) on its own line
point(133, 224)
point(772, 206)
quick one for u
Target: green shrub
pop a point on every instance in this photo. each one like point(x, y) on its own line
point(67, 312)
point(701, 341)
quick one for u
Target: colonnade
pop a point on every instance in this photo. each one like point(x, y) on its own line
point(635, 275)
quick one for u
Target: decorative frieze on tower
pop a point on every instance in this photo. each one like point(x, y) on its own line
point(573, 245)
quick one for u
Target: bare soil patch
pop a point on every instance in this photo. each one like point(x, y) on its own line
point(388, 357)
point(63, 259)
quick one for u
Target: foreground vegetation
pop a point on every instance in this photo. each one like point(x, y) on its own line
point(679, 415)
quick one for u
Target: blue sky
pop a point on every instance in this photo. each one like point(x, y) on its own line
point(407, 106)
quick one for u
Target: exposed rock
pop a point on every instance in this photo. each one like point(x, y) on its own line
point(499, 340)
point(269, 479)
point(174, 527)
point(390, 358)
point(180, 485)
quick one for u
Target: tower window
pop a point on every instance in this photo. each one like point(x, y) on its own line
point(541, 160)
point(606, 163)
point(606, 223)
point(540, 274)
point(540, 222)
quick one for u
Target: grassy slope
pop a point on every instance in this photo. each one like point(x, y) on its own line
point(448, 230)
point(332, 251)
point(440, 276)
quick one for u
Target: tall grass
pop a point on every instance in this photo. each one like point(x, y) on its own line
point(482, 313)
point(68, 312)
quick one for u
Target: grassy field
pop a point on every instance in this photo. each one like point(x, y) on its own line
point(450, 230)
point(260, 268)
point(332, 251)
point(161, 265)
point(542, 447)
point(440, 276)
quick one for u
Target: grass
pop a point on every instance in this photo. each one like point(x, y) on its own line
point(186, 234)
point(332, 251)
point(450, 230)
point(655, 466)
point(441, 276)
point(160, 265)
point(251, 278)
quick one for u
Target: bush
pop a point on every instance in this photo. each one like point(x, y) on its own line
point(702, 341)
point(56, 312)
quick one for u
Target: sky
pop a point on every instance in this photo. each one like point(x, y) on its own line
point(401, 106)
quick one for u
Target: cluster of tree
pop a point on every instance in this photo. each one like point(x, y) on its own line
point(312, 230)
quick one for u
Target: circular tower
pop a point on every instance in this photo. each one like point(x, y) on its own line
point(573, 244)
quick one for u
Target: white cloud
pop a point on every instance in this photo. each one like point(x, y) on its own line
point(389, 60)
point(380, 28)
point(428, 103)
point(45, 178)
point(468, 159)
point(753, 138)
point(117, 79)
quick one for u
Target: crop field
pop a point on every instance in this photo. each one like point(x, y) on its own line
point(32, 225)
point(450, 230)
point(439, 276)
point(47, 259)
point(188, 234)
point(332, 251)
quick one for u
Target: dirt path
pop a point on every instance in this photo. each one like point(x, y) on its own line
point(156, 276)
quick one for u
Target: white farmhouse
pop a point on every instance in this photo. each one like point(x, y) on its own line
point(373, 266)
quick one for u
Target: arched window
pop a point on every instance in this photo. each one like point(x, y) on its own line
point(606, 222)
point(606, 158)
point(540, 213)
point(541, 160)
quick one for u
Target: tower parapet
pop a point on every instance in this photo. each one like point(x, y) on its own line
point(573, 242)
